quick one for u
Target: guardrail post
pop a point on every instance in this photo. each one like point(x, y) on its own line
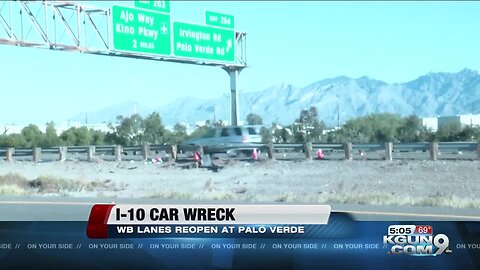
point(118, 152)
point(9, 154)
point(434, 150)
point(307, 149)
point(63, 153)
point(348, 151)
point(200, 150)
point(173, 151)
point(90, 152)
point(388, 151)
point(37, 154)
point(478, 150)
point(270, 151)
point(145, 151)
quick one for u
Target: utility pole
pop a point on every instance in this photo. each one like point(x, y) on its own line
point(338, 114)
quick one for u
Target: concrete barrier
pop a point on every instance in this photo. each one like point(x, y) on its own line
point(478, 150)
point(434, 151)
point(90, 152)
point(388, 151)
point(62, 153)
point(145, 151)
point(270, 151)
point(173, 152)
point(307, 149)
point(118, 152)
point(37, 154)
point(348, 151)
point(9, 154)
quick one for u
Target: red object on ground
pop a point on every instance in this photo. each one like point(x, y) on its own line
point(196, 156)
point(320, 154)
point(255, 154)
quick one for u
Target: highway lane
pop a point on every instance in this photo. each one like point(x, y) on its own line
point(78, 209)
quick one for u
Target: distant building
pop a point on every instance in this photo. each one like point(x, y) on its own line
point(430, 123)
point(465, 119)
point(434, 123)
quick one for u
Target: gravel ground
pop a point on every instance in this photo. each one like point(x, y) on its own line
point(427, 183)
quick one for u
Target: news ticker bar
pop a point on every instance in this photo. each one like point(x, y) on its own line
point(112, 220)
point(342, 243)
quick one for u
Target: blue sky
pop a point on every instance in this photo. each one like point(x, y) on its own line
point(287, 41)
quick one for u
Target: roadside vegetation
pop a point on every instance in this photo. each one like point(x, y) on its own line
point(136, 130)
point(374, 198)
point(15, 184)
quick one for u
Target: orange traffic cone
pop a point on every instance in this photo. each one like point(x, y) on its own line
point(320, 154)
point(255, 154)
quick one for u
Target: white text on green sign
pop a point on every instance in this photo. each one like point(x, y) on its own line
point(203, 42)
point(138, 30)
point(219, 19)
point(154, 5)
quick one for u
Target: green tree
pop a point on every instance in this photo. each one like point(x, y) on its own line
point(307, 128)
point(378, 128)
point(266, 134)
point(128, 131)
point(282, 135)
point(201, 132)
point(32, 135)
point(179, 133)
point(97, 136)
point(254, 119)
point(449, 132)
point(153, 130)
point(411, 130)
point(77, 136)
point(12, 140)
point(50, 138)
point(469, 133)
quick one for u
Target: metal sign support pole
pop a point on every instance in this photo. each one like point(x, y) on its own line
point(233, 72)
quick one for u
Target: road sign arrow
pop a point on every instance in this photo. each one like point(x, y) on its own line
point(229, 45)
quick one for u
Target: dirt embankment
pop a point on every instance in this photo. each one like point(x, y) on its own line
point(426, 183)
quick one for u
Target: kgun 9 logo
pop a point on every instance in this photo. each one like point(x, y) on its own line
point(416, 241)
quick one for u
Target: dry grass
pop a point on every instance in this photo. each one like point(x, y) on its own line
point(16, 185)
point(207, 195)
point(379, 198)
point(374, 198)
point(14, 179)
point(12, 190)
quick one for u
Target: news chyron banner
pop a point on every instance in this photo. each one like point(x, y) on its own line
point(238, 221)
point(118, 236)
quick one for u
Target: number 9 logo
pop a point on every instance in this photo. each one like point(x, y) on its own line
point(441, 241)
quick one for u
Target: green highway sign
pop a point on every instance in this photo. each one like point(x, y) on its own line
point(154, 5)
point(139, 30)
point(219, 19)
point(203, 42)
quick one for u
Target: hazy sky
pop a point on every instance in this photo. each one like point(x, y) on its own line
point(287, 41)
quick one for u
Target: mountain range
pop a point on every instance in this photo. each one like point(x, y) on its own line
point(433, 94)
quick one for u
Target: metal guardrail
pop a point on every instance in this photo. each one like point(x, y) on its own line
point(412, 146)
point(368, 146)
point(466, 146)
point(173, 150)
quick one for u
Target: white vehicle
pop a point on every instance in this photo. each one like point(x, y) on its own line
point(229, 135)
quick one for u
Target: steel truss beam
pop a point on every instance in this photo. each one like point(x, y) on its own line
point(87, 28)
